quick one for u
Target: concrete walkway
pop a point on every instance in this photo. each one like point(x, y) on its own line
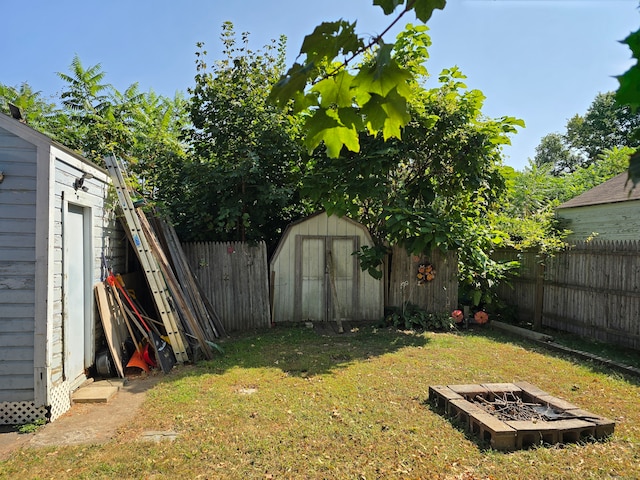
point(99, 409)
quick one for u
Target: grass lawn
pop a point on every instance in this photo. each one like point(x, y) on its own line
point(294, 403)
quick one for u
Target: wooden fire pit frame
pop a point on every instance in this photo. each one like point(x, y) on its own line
point(456, 402)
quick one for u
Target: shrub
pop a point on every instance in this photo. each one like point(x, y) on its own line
point(412, 317)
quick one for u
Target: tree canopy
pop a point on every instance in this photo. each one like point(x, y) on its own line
point(605, 125)
point(242, 178)
point(343, 99)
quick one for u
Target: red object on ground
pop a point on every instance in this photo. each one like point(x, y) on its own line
point(457, 315)
point(481, 317)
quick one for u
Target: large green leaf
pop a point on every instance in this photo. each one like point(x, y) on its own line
point(388, 114)
point(388, 6)
point(323, 126)
point(634, 167)
point(329, 40)
point(629, 90)
point(424, 8)
point(335, 90)
point(292, 84)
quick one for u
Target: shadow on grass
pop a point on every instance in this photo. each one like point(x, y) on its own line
point(577, 344)
point(300, 351)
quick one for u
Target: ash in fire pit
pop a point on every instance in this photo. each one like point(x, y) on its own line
point(512, 416)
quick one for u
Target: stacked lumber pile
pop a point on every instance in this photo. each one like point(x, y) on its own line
point(186, 324)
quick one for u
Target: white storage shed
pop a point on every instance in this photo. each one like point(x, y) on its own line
point(316, 277)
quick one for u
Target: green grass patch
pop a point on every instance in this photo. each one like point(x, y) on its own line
point(293, 403)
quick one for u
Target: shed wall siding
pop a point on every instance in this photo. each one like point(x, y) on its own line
point(17, 267)
point(302, 252)
point(611, 222)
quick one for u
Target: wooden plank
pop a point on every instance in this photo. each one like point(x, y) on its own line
point(156, 281)
point(337, 308)
point(529, 426)
point(203, 309)
point(113, 324)
point(176, 291)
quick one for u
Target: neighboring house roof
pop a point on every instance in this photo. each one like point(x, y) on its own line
point(614, 190)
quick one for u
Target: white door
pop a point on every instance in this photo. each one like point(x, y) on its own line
point(75, 330)
point(345, 274)
point(312, 284)
point(315, 298)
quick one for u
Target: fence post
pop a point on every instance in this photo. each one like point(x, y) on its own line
point(539, 295)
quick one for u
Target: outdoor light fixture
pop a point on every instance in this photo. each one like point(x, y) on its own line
point(1, 176)
point(78, 183)
point(16, 113)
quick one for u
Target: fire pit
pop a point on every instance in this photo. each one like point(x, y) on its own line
point(511, 416)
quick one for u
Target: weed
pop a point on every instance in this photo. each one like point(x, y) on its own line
point(32, 427)
point(412, 317)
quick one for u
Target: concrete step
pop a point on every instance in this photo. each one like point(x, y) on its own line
point(100, 391)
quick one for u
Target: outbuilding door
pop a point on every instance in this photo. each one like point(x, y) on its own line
point(77, 325)
point(326, 277)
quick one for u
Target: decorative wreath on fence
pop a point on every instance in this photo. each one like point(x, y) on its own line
point(426, 273)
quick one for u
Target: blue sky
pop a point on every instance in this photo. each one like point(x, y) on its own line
point(539, 60)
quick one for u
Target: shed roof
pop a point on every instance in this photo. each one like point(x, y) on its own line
point(30, 134)
point(613, 190)
point(292, 225)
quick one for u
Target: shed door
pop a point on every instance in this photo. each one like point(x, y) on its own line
point(312, 282)
point(314, 294)
point(345, 275)
point(76, 330)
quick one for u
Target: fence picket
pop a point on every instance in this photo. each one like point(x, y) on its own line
point(233, 276)
point(592, 289)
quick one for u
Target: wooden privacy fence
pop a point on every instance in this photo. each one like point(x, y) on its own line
point(592, 290)
point(438, 295)
point(233, 276)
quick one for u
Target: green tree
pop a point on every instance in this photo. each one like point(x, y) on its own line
point(554, 151)
point(35, 109)
point(527, 212)
point(342, 100)
point(432, 189)
point(243, 179)
point(604, 126)
point(158, 153)
point(609, 163)
point(97, 120)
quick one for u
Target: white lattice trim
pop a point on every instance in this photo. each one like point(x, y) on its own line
point(20, 413)
point(60, 400)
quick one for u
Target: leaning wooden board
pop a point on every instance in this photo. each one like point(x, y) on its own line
point(113, 323)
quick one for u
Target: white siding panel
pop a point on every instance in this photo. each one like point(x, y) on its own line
point(17, 267)
point(18, 311)
point(17, 387)
point(613, 221)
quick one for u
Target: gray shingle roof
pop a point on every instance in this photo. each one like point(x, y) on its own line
point(613, 190)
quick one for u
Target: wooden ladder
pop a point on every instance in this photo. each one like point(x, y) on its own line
point(149, 263)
